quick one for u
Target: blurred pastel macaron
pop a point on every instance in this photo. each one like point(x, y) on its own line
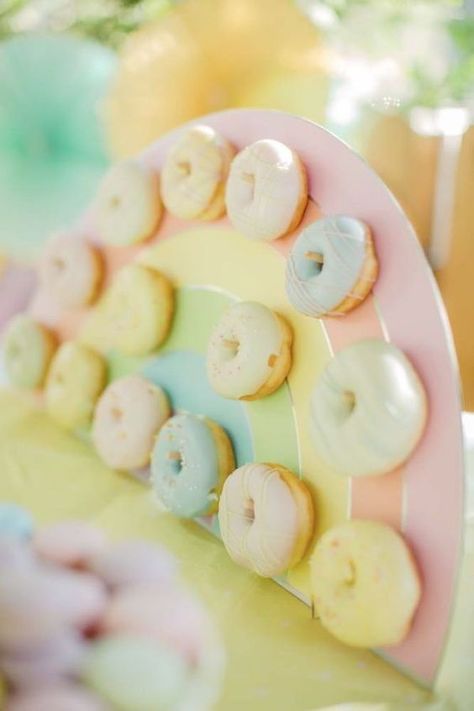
point(28, 348)
point(69, 543)
point(63, 696)
point(45, 663)
point(36, 605)
point(133, 563)
point(136, 674)
point(15, 555)
point(15, 521)
point(167, 614)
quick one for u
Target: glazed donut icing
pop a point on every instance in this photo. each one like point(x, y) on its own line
point(265, 522)
point(194, 174)
point(76, 378)
point(243, 349)
point(127, 418)
point(185, 466)
point(128, 207)
point(266, 191)
point(70, 270)
point(331, 266)
point(368, 409)
point(364, 583)
point(28, 348)
point(138, 309)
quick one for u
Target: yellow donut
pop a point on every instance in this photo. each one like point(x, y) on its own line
point(138, 310)
point(27, 351)
point(365, 584)
point(75, 380)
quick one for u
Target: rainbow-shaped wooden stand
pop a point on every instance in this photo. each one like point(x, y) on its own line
point(212, 265)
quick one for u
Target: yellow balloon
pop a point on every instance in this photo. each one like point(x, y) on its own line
point(204, 56)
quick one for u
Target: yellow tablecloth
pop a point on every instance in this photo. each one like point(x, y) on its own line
point(278, 658)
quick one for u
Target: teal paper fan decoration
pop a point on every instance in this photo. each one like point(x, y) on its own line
point(52, 149)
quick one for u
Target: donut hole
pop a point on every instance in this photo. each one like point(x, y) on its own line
point(175, 462)
point(316, 262)
point(349, 574)
point(249, 510)
point(230, 348)
point(116, 414)
point(249, 181)
point(115, 201)
point(58, 264)
point(184, 167)
point(349, 402)
point(248, 178)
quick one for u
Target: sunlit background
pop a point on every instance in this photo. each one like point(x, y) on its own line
point(85, 81)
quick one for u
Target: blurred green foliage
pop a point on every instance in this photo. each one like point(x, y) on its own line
point(110, 21)
point(393, 28)
point(107, 21)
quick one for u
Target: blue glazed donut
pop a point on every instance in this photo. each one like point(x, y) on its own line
point(331, 267)
point(190, 460)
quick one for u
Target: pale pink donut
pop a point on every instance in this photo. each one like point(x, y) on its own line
point(169, 614)
point(69, 542)
point(45, 663)
point(70, 270)
point(27, 614)
point(80, 597)
point(62, 697)
point(127, 418)
point(132, 563)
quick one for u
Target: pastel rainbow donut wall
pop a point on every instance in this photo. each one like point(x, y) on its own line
point(212, 265)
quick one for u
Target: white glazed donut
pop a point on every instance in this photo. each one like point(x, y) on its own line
point(266, 518)
point(368, 409)
point(70, 270)
point(266, 191)
point(127, 418)
point(249, 352)
point(194, 174)
point(128, 206)
point(331, 267)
